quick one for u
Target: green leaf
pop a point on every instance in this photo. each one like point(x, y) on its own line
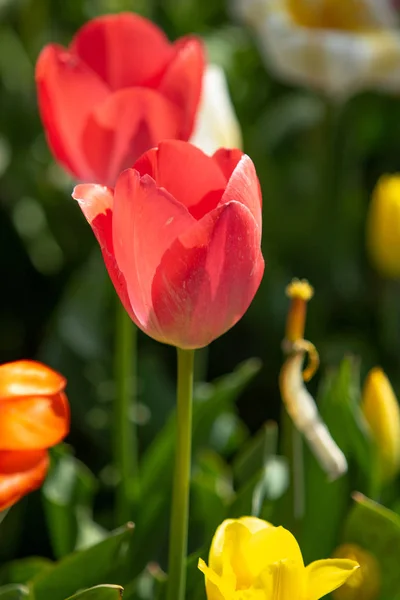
point(349, 424)
point(254, 453)
point(324, 497)
point(148, 586)
point(68, 496)
point(23, 570)
point(99, 592)
point(211, 400)
point(211, 493)
point(338, 403)
point(264, 476)
point(14, 592)
point(272, 484)
point(84, 568)
point(377, 530)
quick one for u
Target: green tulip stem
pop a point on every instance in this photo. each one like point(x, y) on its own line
point(178, 533)
point(125, 436)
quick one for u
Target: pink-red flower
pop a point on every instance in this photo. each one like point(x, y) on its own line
point(34, 415)
point(119, 89)
point(180, 237)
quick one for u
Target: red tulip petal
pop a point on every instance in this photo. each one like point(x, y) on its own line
point(28, 378)
point(183, 79)
point(227, 160)
point(21, 472)
point(125, 125)
point(192, 177)
point(244, 187)
point(208, 278)
point(125, 50)
point(96, 202)
point(145, 223)
point(32, 423)
point(67, 92)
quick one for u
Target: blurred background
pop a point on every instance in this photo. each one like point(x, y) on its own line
point(56, 300)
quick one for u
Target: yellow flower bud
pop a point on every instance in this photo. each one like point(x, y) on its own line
point(363, 584)
point(383, 226)
point(260, 561)
point(381, 410)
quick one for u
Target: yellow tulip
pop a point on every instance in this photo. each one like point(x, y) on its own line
point(381, 410)
point(336, 46)
point(251, 559)
point(383, 226)
point(365, 583)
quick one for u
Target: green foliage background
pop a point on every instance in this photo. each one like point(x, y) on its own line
point(56, 301)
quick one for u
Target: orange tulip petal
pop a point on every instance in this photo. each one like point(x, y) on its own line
point(21, 473)
point(28, 378)
point(35, 422)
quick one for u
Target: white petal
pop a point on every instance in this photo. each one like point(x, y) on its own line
point(216, 125)
point(339, 63)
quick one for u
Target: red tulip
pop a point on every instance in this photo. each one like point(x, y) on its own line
point(118, 90)
point(34, 415)
point(180, 237)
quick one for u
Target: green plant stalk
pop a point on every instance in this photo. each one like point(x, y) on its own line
point(178, 534)
point(294, 500)
point(125, 435)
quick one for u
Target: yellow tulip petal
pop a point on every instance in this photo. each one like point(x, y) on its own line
point(381, 410)
point(254, 524)
point(324, 576)
point(217, 546)
point(218, 588)
point(283, 580)
point(272, 545)
point(229, 556)
point(383, 225)
point(236, 553)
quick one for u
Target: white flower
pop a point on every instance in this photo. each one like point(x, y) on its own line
point(336, 46)
point(216, 125)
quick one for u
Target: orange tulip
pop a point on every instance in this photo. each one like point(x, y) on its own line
point(34, 415)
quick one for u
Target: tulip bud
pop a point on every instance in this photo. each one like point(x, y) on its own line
point(382, 412)
point(383, 226)
point(197, 221)
point(364, 583)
